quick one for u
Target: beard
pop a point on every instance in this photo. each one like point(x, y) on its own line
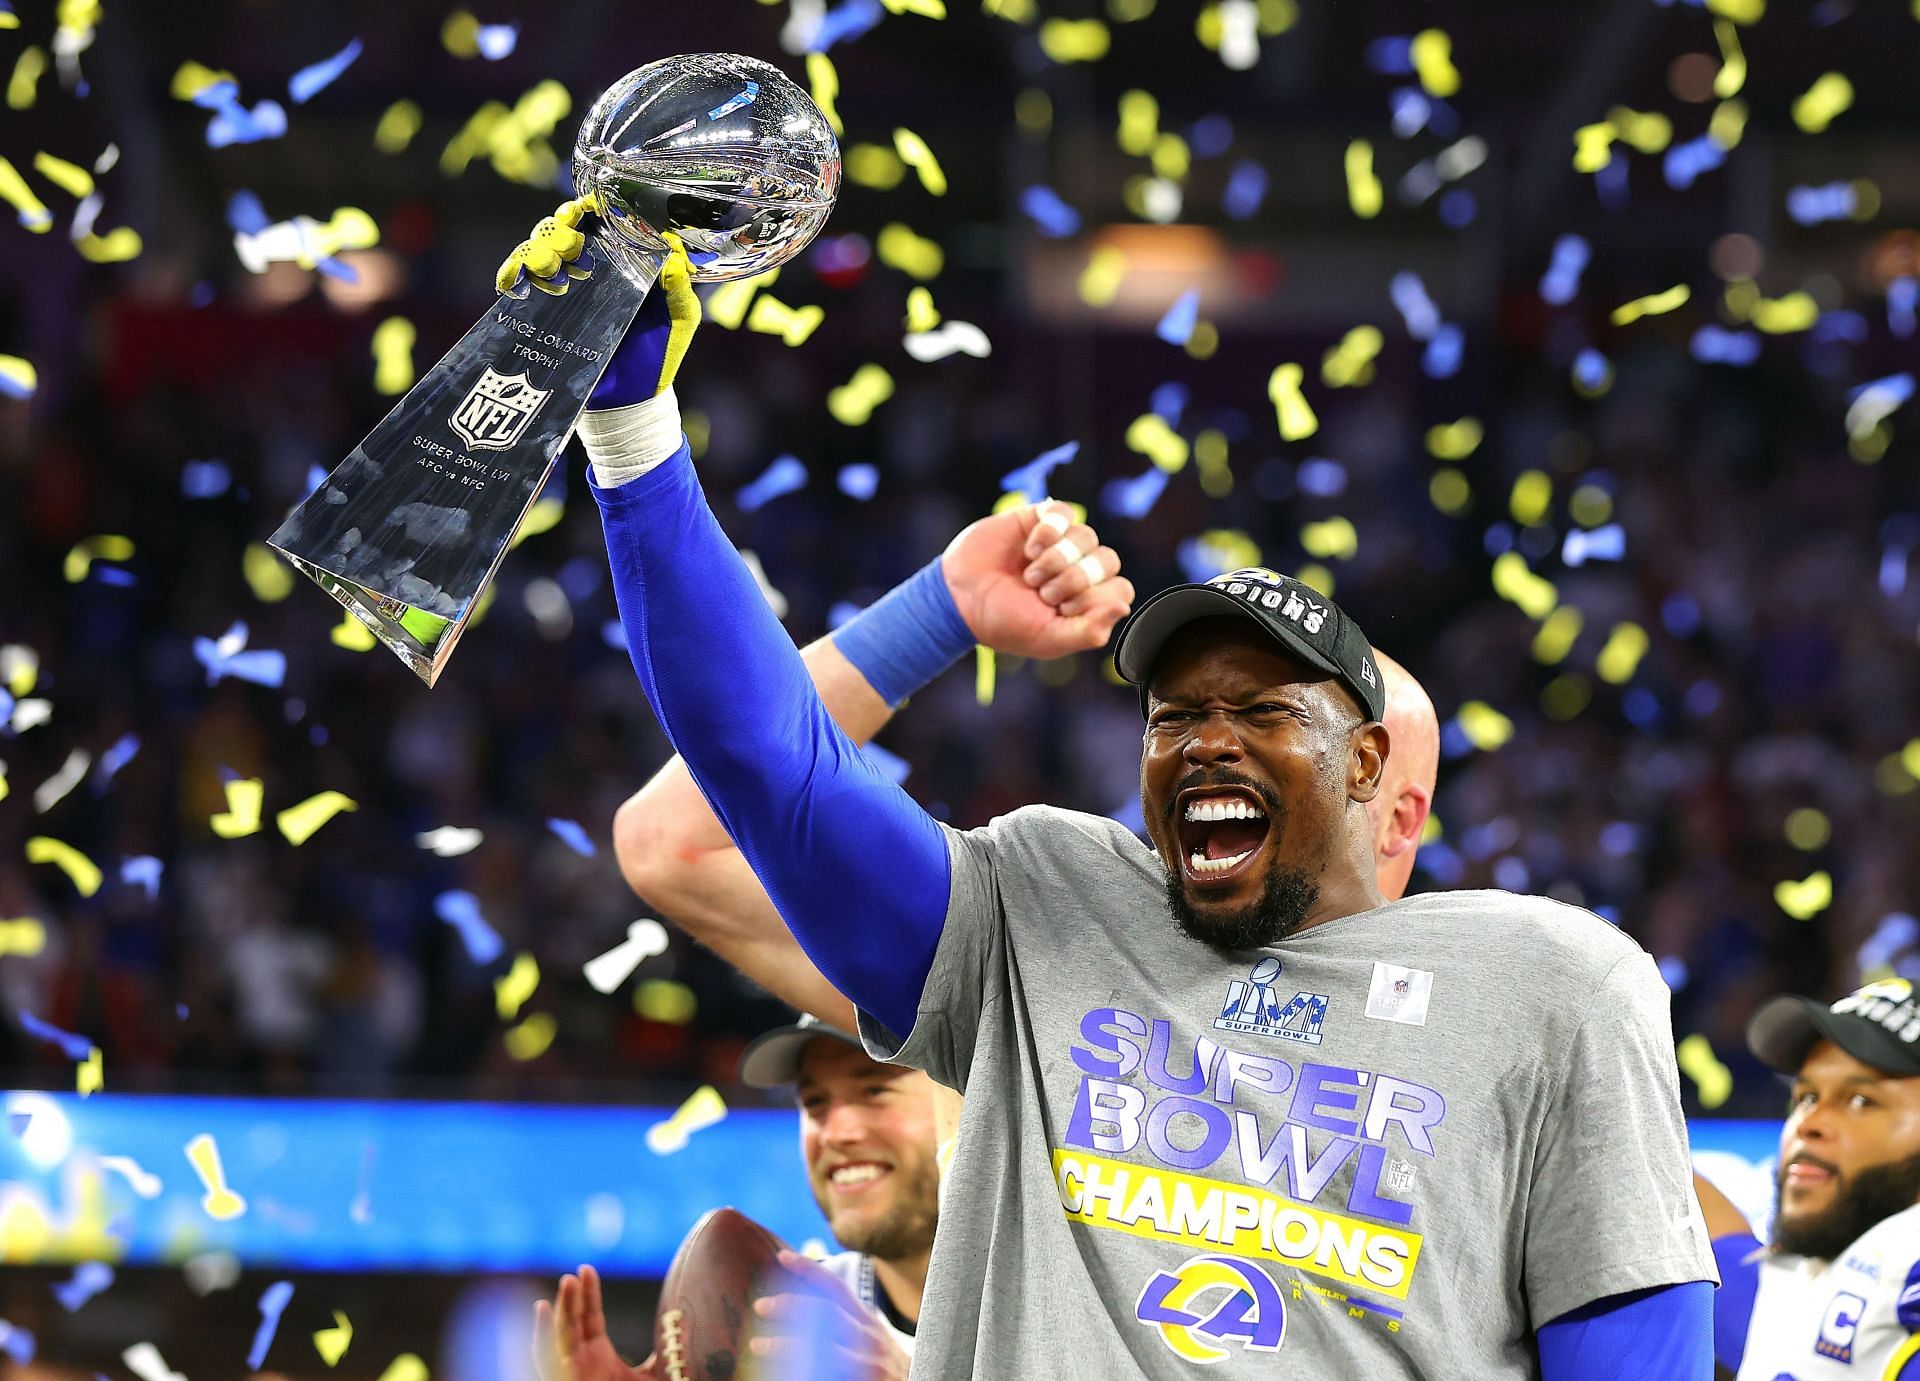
point(905, 1230)
point(1860, 1200)
point(1279, 911)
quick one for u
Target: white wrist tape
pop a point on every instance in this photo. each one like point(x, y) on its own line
point(625, 443)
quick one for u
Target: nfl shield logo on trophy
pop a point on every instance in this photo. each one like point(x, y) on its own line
point(496, 410)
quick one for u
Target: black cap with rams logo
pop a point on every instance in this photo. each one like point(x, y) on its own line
point(1878, 1025)
point(1306, 624)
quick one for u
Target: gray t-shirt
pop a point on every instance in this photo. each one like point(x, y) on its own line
point(1392, 1146)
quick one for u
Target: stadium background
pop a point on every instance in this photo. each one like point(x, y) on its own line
point(1653, 564)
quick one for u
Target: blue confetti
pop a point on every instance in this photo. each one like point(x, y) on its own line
point(1621, 838)
point(1611, 183)
point(1322, 478)
point(1835, 201)
point(614, 634)
point(1703, 698)
point(461, 910)
point(1591, 369)
point(858, 481)
point(1642, 709)
point(142, 870)
point(1439, 862)
point(843, 612)
point(112, 575)
point(205, 479)
point(1561, 281)
point(1176, 327)
point(11, 387)
point(233, 123)
point(496, 41)
point(1685, 162)
point(1169, 402)
point(1134, 498)
point(745, 97)
point(1897, 931)
point(1680, 615)
point(573, 835)
point(75, 1048)
point(785, 475)
point(1211, 136)
point(1902, 296)
point(16, 1342)
point(273, 1303)
point(309, 81)
point(892, 766)
point(1607, 543)
point(843, 22)
point(1050, 215)
point(89, 1279)
point(245, 214)
point(1031, 478)
point(1717, 345)
point(1840, 325)
point(1441, 359)
point(1391, 56)
point(316, 476)
point(1458, 208)
point(261, 666)
point(1673, 972)
point(1246, 189)
point(1454, 742)
point(1201, 560)
point(1893, 570)
point(839, 255)
point(1410, 108)
point(1415, 307)
point(116, 757)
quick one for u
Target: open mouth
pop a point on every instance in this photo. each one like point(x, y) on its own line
point(1219, 831)
point(857, 1177)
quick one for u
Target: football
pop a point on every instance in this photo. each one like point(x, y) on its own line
point(706, 1302)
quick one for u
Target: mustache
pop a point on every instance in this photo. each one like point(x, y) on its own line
point(1269, 798)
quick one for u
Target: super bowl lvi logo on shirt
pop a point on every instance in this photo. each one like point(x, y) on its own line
point(1254, 1007)
point(496, 410)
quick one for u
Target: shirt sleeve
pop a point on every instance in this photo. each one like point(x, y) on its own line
point(1610, 1204)
point(1738, 1257)
point(1650, 1335)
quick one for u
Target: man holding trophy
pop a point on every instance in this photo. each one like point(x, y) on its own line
point(1225, 1106)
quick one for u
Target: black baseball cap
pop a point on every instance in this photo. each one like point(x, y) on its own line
point(1308, 625)
point(772, 1059)
point(1878, 1025)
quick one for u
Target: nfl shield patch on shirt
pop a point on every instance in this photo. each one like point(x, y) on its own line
point(1398, 994)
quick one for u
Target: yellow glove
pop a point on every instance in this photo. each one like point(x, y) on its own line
point(552, 247)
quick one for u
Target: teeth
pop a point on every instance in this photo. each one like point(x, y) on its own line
point(857, 1174)
point(1234, 809)
point(1205, 866)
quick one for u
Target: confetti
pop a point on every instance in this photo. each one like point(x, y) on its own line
point(843, 23)
point(1621, 656)
point(951, 338)
point(146, 1185)
point(1830, 96)
point(606, 972)
point(1729, 122)
point(406, 1367)
point(916, 155)
point(461, 910)
point(1592, 373)
point(1070, 40)
point(899, 248)
point(1416, 309)
point(309, 82)
point(232, 122)
point(1483, 726)
point(858, 481)
point(1713, 1081)
point(1100, 280)
point(1685, 162)
point(18, 378)
point(1807, 898)
point(332, 1343)
point(1176, 327)
point(23, 86)
point(1364, 194)
point(1653, 304)
point(1296, 418)
point(399, 122)
point(88, 1078)
point(1350, 363)
point(1558, 632)
point(81, 871)
point(144, 1361)
point(16, 1342)
point(823, 84)
point(1150, 435)
point(512, 989)
point(32, 212)
point(852, 404)
point(393, 356)
point(702, 1110)
point(1561, 281)
point(1717, 345)
point(245, 797)
point(1134, 498)
point(1607, 543)
point(220, 1202)
point(1733, 62)
point(89, 1279)
point(207, 1272)
point(1139, 123)
point(1455, 440)
point(1030, 480)
point(273, 1303)
point(772, 317)
point(1808, 829)
point(24, 936)
point(1514, 582)
point(1246, 190)
point(573, 835)
point(299, 823)
point(88, 550)
point(19, 668)
point(1051, 216)
point(70, 178)
point(228, 656)
point(1778, 316)
point(74, 1047)
point(55, 788)
point(1333, 538)
point(355, 636)
point(1872, 403)
point(1431, 54)
point(1903, 294)
point(306, 242)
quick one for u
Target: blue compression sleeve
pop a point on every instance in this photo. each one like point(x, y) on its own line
point(1664, 1334)
point(1735, 1255)
point(858, 871)
point(908, 636)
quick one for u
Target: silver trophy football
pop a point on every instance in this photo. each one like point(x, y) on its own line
point(407, 532)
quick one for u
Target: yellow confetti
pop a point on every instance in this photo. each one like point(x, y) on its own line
point(1807, 898)
point(1171, 157)
point(332, 1343)
point(408, 1367)
point(727, 304)
point(22, 380)
point(1033, 112)
point(985, 670)
point(245, 797)
point(220, 1202)
point(1333, 538)
point(705, 1108)
point(929, 9)
point(1514, 582)
point(1210, 455)
point(1316, 577)
point(1808, 829)
point(875, 166)
point(1728, 123)
point(299, 823)
point(1485, 727)
point(823, 83)
point(115, 247)
point(1350, 363)
point(1565, 697)
point(852, 404)
point(921, 313)
point(1129, 11)
point(1733, 61)
point(546, 512)
point(1620, 658)
point(70, 178)
point(1100, 280)
point(1297, 421)
point(1557, 635)
point(5, 790)
point(1829, 96)
point(1712, 1081)
point(1364, 193)
point(1653, 304)
point(512, 988)
point(33, 212)
point(1777, 316)
point(1455, 440)
point(513, 140)
point(1150, 435)
point(1593, 146)
point(1449, 492)
point(393, 356)
point(1070, 40)
point(1532, 497)
point(916, 155)
point(89, 1076)
point(1647, 131)
point(663, 1000)
point(1432, 54)
point(353, 635)
point(270, 579)
point(191, 78)
point(1139, 122)
point(20, 668)
point(81, 871)
point(1739, 11)
point(399, 122)
point(9, 20)
point(1013, 11)
point(914, 255)
point(25, 937)
point(772, 317)
point(1910, 758)
point(532, 1037)
point(460, 34)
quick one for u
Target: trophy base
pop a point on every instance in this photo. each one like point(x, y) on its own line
point(421, 640)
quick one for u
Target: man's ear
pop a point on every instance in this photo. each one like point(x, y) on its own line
point(1367, 762)
point(1406, 821)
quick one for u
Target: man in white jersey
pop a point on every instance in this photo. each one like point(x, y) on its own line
point(1837, 1291)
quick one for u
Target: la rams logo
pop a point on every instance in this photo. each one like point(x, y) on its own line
point(1253, 1007)
point(1210, 1302)
point(496, 410)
